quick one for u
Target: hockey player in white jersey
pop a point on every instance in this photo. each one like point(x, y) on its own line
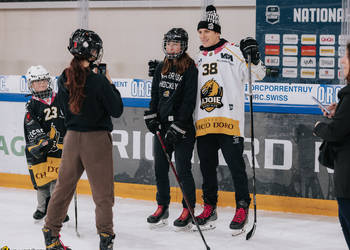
point(219, 114)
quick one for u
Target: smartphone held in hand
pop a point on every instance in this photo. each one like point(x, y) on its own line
point(101, 68)
point(321, 105)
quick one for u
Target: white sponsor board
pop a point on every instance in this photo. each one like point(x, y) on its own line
point(308, 61)
point(128, 88)
point(342, 39)
point(326, 62)
point(326, 73)
point(294, 94)
point(327, 51)
point(290, 61)
point(12, 139)
point(327, 39)
point(308, 39)
point(290, 39)
point(272, 38)
point(290, 72)
point(340, 75)
point(307, 73)
point(341, 51)
point(290, 50)
point(272, 60)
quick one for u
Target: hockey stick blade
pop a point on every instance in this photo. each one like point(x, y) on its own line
point(251, 232)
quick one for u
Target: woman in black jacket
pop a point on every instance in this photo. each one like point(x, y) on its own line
point(173, 98)
point(88, 100)
point(337, 131)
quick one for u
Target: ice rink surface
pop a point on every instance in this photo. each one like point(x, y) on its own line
point(275, 230)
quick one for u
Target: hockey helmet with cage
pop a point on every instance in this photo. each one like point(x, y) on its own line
point(175, 35)
point(39, 73)
point(86, 44)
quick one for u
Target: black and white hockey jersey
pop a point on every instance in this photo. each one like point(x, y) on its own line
point(43, 131)
point(173, 96)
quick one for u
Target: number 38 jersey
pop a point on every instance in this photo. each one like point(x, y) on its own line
point(222, 80)
point(43, 121)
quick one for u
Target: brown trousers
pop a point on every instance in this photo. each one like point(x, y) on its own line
point(90, 151)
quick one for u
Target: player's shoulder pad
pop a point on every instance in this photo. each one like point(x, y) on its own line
point(234, 49)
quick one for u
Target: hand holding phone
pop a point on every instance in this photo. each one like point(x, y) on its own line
point(101, 68)
point(321, 105)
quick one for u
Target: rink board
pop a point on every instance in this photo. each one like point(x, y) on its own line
point(287, 170)
point(147, 192)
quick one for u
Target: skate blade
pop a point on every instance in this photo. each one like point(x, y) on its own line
point(162, 223)
point(236, 232)
point(209, 226)
point(186, 228)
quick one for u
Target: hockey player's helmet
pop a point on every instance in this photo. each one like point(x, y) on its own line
point(39, 73)
point(87, 44)
point(175, 35)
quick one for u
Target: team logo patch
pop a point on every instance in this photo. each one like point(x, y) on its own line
point(211, 95)
point(166, 93)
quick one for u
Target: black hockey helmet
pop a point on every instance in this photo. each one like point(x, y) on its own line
point(87, 44)
point(176, 35)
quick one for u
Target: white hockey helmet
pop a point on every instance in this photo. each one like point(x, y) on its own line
point(38, 73)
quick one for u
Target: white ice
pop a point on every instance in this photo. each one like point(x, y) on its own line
point(275, 230)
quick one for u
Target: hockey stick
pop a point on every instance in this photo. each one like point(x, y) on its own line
point(76, 213)
point(252, 231)
point(181, 187)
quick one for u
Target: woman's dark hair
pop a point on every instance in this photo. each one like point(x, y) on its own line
point(76, 77)
point(181, 64)
point(347, 77)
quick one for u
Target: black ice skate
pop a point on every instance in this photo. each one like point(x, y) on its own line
point(53, 243)
point(106, 241)
point(240, 219)
point(206, 220)
point(38, 215)
point(160, 217)
point(184, 221)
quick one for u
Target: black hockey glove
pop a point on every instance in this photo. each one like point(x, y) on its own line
point(174, 133)
point(250, 46)
point(151, 121)
point(41, 148)
point(152, 65)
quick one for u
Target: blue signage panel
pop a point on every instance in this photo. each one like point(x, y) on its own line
point(301, 39)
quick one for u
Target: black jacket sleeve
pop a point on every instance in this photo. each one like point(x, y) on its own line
point(338, 130)
point(184, 114)
point(153, 105)
point(112, 100)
